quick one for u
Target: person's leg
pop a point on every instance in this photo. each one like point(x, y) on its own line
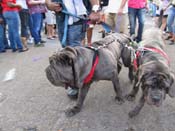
point(15, 31)
point(110, 19)
point(121, 23)
point(164, 23)
point(89, 35)
point(170, 20)
point(6, 43)
point(73, 40)
point(8, 18)
point(2, 46)
point(132, 20)
point(141, 20)
point(76, 33)
point(173, 27)
point(24, 18)
point(36, 27)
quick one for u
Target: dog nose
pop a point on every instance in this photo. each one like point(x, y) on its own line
point(156, 98)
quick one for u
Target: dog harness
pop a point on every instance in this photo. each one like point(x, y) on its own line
point(94, 64)
point(95, 61)
point(140, 53)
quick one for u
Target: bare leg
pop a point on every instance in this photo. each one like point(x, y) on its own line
point(81, 97)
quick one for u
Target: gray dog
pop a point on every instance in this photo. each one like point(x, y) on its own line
point(153, 73)
point(72, 65)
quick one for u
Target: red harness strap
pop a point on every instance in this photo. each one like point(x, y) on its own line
point(153, 50)
point(160, 52)
point(135, 64)
point(91, 73)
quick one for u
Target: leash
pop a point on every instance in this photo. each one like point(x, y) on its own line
point(106, 27)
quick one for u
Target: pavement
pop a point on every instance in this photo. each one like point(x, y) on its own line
point(28, 102)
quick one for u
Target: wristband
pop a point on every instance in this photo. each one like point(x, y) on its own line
point(95, 8)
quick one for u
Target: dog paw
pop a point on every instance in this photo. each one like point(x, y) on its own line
point(72, 111)
point(130, 97)
point(132, 113)
point(119, 100)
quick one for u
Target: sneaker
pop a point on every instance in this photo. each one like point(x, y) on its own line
point(39, 45)
point(43, 41)
point(30, 41)
point(72, 93)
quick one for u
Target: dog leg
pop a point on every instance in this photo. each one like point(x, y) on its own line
point(81, 97)
point(131, 96)
point(130, 74)
point(137, 109)
point(119, 66)
point(117, 89)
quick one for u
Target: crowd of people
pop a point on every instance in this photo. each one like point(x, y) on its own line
point(74, 18)
point(163, 12)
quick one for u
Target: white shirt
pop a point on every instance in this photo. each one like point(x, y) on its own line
point(22, 3)
point(75, 7)
point(114, 6)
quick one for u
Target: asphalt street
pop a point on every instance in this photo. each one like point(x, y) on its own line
point(28, 102)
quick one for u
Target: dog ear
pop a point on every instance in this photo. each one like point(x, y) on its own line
point(126, 56)
point(51, 59)
point(71, 49)
point(171, 90)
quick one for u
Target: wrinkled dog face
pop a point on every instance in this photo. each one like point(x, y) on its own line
point(156, 87)
point(59, 71)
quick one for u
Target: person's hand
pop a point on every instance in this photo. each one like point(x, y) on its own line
point(10, 4)
point(120, 11)
point(18, 6)
point(94, 16)
point(55, 7)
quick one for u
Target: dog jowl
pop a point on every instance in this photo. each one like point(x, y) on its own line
point(153, 74)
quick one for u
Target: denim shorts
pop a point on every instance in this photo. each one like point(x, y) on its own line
point(24, 17)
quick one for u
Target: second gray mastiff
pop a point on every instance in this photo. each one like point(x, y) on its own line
point(72, 65)
point(153, 74)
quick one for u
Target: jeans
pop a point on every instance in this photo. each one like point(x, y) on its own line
point(36, 21)
point(171, 20)
point(12, 20)
point(75, 33)
point(133, 14)
point(2, 45)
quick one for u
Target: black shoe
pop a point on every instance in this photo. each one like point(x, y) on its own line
point(2, 51)
point(8, 47)
point(23, 50)
point(39, 45)
point(43, 41)
point(14, 50)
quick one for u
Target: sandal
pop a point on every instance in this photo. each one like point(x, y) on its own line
point(23, 50)
point(169, 37)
